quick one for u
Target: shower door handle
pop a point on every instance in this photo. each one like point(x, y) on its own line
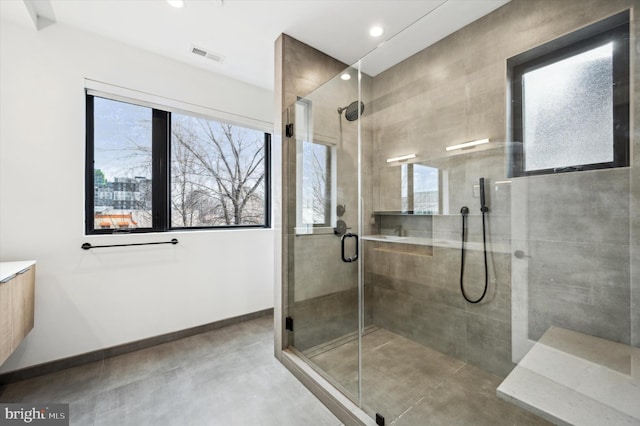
point(342, 239)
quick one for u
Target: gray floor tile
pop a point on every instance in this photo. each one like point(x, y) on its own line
point(139, 365)
point(225, 377)
point(413, 385)
point(467, 398)
point(82, 412)
point(64, 386)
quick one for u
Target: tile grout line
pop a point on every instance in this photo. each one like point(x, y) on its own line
point(408, 409)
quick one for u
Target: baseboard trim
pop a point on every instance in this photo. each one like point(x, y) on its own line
point(100, 354)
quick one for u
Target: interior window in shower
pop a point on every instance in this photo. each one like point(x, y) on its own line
point(316, 175)
point(571, 105)
point(420, 189)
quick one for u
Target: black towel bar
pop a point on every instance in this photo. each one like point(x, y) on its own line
point(88, 246)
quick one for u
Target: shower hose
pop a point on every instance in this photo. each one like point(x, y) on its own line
point(465, 211)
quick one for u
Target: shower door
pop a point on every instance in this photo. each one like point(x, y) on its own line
point(323, 224)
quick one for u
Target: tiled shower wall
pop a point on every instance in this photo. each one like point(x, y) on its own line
point(582, 229)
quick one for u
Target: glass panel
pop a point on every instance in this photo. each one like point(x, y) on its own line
point(568, 111)
point(217, 173)
point(122, 165)
point(323, 289)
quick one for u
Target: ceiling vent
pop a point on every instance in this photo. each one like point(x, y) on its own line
point(200, 51)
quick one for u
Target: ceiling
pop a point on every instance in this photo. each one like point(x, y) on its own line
point(243, 31)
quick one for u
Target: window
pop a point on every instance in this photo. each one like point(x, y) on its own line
point(155, 170)
point(316, 175)
point(316, 182)
point(420, 189)
point(570, 102)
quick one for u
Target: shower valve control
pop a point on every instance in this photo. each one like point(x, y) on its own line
point(519, 254)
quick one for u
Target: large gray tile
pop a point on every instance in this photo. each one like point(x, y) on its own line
point(583, 287)
point(397, 375)
point(582, 207)
point(82, 412)
point(324, 318)
point(226, 376)
point(64, 386)
point(157, 399)
point(436, 326)
point(139, 365)
point(489, 344)
point(467, 398)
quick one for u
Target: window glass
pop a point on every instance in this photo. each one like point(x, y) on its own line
point(151, 170)
point(568, 111)
point(217, 173)
point(122, 165)
point(419, 188)
point(570, 101)
point(316, 177)
point(316, 181)
point(425, 189)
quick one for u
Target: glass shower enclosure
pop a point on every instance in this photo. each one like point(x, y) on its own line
point(324, 235)
point(420, 268)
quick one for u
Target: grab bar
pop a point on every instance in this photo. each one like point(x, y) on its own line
point(88, 246)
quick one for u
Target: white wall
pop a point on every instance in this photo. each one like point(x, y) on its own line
point(88, 300)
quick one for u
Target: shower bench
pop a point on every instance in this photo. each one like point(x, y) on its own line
point(577, 379)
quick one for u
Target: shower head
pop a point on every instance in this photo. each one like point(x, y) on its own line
point(353, 111)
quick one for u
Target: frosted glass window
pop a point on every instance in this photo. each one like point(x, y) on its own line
point(570, 101)
point(568, 111)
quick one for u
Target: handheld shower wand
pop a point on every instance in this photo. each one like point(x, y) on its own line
point(483, 202)
point(464, 211)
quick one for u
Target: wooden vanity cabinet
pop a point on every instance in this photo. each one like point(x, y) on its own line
point(17, 294)
point(6, 321)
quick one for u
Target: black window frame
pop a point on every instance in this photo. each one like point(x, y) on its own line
point(160, 175)
point(615, 29)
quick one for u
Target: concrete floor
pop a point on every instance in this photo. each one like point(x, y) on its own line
point(412, 385)
point(224, 377)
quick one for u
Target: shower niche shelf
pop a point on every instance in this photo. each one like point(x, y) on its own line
point(399, 246)
point(395, 228)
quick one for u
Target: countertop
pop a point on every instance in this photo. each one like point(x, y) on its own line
point(577, 379)
point(9, 269)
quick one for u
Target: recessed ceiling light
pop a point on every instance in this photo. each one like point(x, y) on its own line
point(176, 3)
point(346, 76)
point(376, 31)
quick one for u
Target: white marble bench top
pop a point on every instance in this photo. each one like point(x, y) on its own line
point(576, 379)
